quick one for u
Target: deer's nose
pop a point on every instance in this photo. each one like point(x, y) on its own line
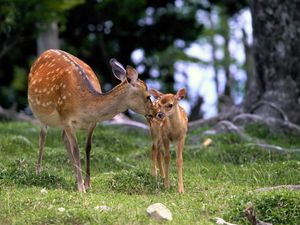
point(160, 115)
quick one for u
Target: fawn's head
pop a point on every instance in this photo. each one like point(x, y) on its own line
point(138, 96)
point(165, 104)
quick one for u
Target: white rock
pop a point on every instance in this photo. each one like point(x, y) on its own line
point(159, 212)
point(103, 208)
point(223, 222)
point(61, 209)
point(44, 191)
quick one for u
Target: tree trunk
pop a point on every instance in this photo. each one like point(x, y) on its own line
point(196, 112)
point(48, 38)
point(249, 66)
point(274, 90)
point(214, 58)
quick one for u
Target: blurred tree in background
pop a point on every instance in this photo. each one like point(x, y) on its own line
point(275, 90)
point(158, 32)
point(21, 24)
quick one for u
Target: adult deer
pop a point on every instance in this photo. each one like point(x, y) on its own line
point(170, 124)
point(63, 91)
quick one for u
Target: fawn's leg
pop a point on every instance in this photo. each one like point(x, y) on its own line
point(88, 147)
point(42, 140)
point(160, 160)
point(154, 158)
point(167, 157)
point(180, 145)
point(74, 151)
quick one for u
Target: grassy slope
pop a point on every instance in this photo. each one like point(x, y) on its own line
point(219, 180)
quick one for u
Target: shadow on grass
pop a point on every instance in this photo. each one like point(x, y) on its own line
point(21, 172)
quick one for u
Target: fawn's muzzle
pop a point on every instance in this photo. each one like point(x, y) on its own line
point(160, 115)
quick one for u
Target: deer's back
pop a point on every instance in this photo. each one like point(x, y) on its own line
point(58, 84)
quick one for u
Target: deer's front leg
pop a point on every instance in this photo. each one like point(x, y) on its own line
point(42, 139)
point(88, 147)
point(154, 158)
point(180, 145)
point(160, 160)
point(74, 151)
point(167, 157)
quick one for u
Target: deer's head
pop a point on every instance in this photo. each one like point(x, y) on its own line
point(138, 97)
point(166, 104)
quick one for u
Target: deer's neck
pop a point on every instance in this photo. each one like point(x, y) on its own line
point(107, 105)
point(175, 118)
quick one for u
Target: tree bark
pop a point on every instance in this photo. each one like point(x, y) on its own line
point(276, 32)
point(48, 38)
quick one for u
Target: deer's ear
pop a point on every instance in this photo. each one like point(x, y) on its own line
point(180, 94)
point(117, 69)
point(156, 94)
point(131, 75)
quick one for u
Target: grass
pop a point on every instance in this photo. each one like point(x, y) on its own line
point(219, 180)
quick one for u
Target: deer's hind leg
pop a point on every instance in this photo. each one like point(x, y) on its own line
point(88, 147)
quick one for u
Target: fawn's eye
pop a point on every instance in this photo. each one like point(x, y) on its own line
point(170, 105)
point(148, 97)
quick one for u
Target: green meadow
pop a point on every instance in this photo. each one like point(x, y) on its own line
point(220, 179)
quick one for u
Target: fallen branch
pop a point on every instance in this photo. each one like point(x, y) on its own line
point(272, 105)
point(226, 126)
point(275, 124)
point(274, 147)
point(223, 222)
point(121, 119)
point(289, 187)
point(214, 120)
point(249, 213)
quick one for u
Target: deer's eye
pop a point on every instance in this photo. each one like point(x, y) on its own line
point(170, 105)
point(148, 97)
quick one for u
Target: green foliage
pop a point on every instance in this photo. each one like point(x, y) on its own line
point(20, 23)
point(276, 207)
point(135, 182)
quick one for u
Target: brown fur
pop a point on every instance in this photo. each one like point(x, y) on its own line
point(63, 91)
point(172, 127)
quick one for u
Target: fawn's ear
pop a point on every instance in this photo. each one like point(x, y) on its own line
point(180, 94)
point(117, 69)
point(131, 75)
point(156, 94)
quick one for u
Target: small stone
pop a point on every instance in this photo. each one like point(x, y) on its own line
point(159, 212)
point(103, 208)
point(207, 142)
point(61, 209)
point(44, 191)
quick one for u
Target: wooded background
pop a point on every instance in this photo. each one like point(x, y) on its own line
point(96, 31)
